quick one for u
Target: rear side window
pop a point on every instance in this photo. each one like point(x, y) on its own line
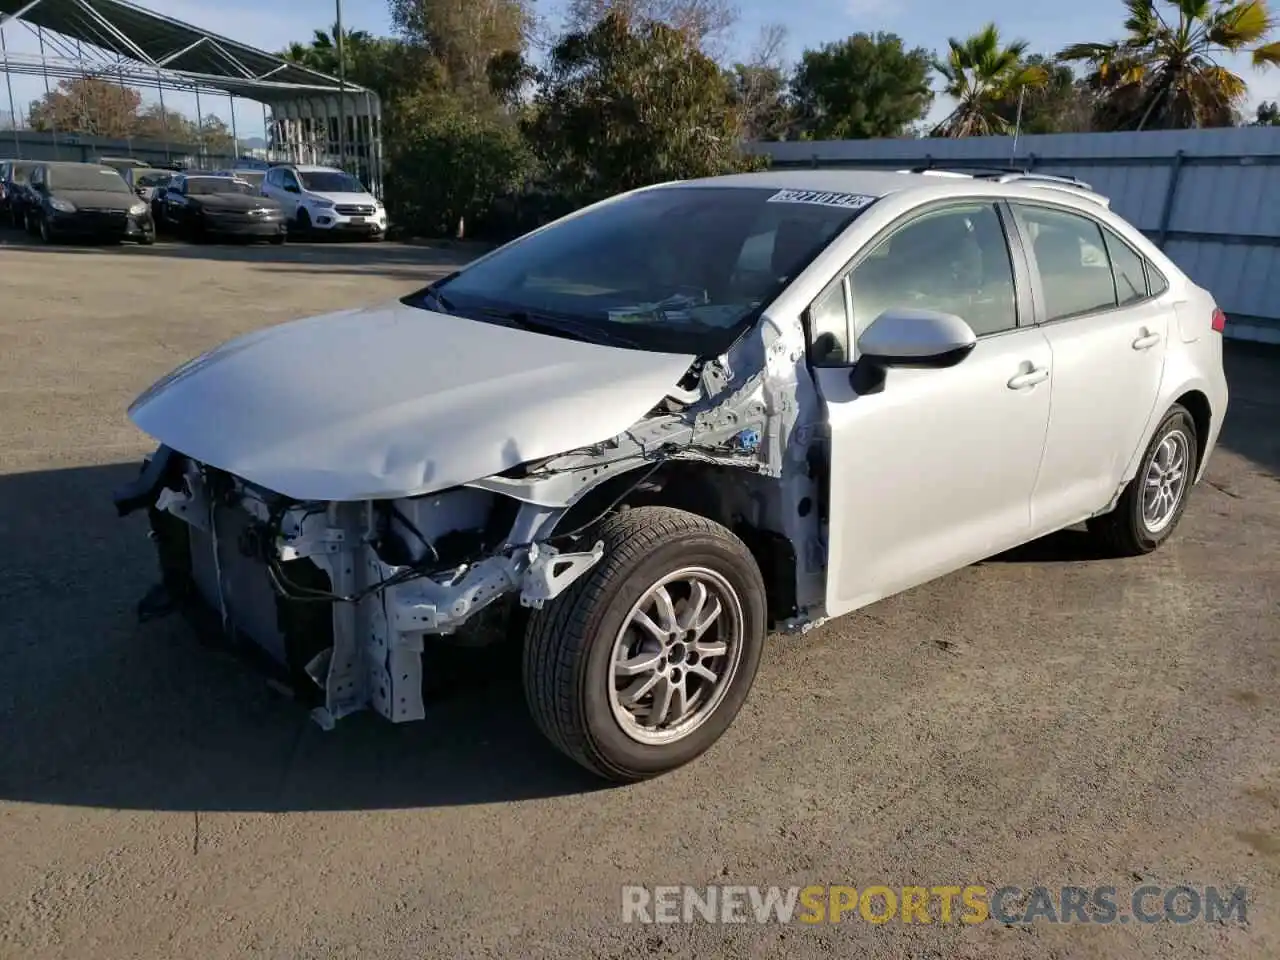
point(1155, 280)
point(1075, 270)
point(1131, 278)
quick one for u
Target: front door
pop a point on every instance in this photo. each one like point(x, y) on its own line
point(1108, 339)
point(935, 470)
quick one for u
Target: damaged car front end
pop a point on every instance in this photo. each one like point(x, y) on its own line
point(343, 491)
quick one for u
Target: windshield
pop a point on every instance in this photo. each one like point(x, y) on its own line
point(86, 177)
point(675, 269)
point(20, 172)
point(330, 181)
point(205, 186)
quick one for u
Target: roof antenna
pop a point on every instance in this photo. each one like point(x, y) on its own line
point(1017, 126)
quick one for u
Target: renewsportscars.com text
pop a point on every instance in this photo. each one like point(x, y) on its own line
point(974, 904)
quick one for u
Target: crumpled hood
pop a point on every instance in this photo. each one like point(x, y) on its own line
point(396, 401)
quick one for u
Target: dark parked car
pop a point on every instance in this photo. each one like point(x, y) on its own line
point(144, 180)
point(13, 181)
point(120, 163)
point(204, 206)
point(86, 201)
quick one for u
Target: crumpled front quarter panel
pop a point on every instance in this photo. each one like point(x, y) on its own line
point(397, 401)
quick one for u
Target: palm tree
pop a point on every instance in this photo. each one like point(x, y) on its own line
point(322, 53)
point(981, 74)
point(1165, 72)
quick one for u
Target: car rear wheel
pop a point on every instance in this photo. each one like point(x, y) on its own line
point(1153, 502)
point(642, 664)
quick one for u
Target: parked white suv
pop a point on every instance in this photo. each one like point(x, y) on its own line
point(649, 433)
point(325, 199)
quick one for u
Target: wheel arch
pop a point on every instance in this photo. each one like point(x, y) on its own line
point(723, 494)
point(1191, 394)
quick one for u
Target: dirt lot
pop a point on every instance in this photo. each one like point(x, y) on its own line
point(1043, 718)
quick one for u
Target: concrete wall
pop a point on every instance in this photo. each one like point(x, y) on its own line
point(35, 145)
point(1209, 198)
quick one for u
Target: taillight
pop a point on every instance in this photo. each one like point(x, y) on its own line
point(1219, 322)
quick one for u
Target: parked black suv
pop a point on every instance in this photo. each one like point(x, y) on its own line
point(87, 201)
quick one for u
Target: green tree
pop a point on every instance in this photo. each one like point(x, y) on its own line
point(463, 36)
point(1062, 104)
point(451, 166)
point(982, 74)
point(1267, 115)
point(1165, 72)
point(759, 95)
point(759, 88)
point(868, 85)
point(705, 22)
point(622, 107)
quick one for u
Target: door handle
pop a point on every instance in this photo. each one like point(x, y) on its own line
point(1146, 341)
point(1030, 378)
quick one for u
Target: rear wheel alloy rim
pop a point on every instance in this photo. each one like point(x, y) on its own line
point(676, 655)
point(1165, 480)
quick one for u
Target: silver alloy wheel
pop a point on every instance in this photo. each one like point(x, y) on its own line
point(1165, 481)
point(676, 656)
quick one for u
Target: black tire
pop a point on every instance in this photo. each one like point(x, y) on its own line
point(1124, 532)
point(302, 222)
point(44, 230)
point(148, 238)
point(569, 643)
point(278, 239)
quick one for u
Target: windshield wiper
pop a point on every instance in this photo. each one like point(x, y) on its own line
point(557, 324)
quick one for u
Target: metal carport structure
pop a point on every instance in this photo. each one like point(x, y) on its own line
point(314, 118)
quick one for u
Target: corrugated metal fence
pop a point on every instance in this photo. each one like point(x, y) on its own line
point(1209, 198)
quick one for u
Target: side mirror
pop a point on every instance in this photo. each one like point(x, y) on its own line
point(902, 336)
point(905, 337)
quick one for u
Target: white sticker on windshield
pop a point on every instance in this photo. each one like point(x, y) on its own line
point(850, 201)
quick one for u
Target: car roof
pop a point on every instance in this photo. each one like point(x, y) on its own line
point(76, 163)
point(315, 168)
point(882, 183)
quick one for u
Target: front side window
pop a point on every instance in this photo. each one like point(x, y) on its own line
point(674, 269)
point(1075, 271)
point(953, 260)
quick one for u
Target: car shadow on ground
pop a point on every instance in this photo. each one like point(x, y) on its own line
point(99, 710)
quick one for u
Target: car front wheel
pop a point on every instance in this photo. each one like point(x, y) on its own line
point(1152, 504)
point(642, 664)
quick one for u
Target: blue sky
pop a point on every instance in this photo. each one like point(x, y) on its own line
point(271, 24)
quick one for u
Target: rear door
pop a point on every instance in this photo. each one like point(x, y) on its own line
point(934, 470)
point(1108, 337)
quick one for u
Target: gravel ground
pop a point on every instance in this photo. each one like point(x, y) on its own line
point(1042, 718)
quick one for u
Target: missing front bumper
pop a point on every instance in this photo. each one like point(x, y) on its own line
point(342, 627)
